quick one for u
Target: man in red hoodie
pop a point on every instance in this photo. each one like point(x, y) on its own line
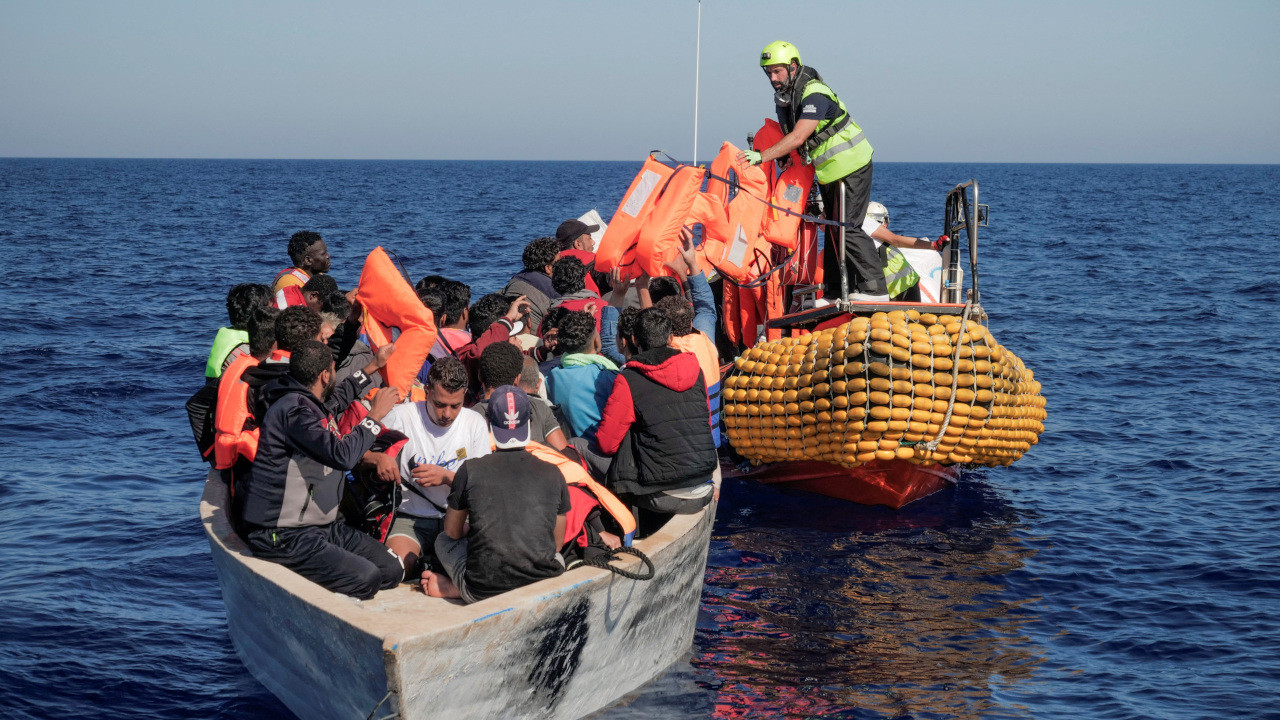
point(660, 400)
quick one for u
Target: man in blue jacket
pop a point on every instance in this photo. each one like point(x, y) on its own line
point(295, 484)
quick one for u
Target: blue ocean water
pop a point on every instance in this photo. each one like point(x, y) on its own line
point(1127, 567)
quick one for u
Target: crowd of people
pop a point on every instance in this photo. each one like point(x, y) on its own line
point(550, 420)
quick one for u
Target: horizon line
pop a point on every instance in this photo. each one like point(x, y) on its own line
point(477, 160)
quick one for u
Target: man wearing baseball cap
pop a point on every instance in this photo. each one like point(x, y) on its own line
point(576, 242)
point(516, 506)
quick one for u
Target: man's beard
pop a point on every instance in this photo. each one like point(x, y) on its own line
point(328, 389)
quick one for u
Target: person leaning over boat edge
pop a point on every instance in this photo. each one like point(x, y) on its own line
point(294, 486)
point(817, 122)
point(516, 507)
point(309, 255)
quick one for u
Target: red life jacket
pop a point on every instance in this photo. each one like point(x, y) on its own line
point(289, 297)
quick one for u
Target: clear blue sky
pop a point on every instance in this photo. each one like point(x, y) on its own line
point(961, 81)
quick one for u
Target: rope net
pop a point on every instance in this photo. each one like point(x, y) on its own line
point(929, 389)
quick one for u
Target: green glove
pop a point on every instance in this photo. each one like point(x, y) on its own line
point(753, 157)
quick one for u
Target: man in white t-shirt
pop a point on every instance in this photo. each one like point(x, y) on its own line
point(441, 435)
point(899, 274)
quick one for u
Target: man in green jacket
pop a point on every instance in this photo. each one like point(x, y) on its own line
point(816, 122)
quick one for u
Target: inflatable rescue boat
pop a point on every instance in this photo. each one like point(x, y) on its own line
point(880, 403)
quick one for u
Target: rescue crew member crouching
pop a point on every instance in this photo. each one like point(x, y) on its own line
point(296, 481)
point(817, 122)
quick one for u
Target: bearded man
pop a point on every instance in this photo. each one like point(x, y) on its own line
point(295, 483)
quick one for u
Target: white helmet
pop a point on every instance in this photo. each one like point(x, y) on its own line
point(878, 212)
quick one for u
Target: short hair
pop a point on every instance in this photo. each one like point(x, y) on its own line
point(679, 312)
point(449, 373)
point(457, 296)
point(575, 331)
point(336, 304)
point(552, 318)
point(627, 322)
point(652, 329)
point(262, 332)
point(530, 376)
point(244, 300)
point(500, 364)
point(433, 300)
point(568, 275)
point(300, 242)
point(540, 253)
point(661, 287)
point(486, 312)
point(321, 284)
point(430, 282)
point(308, 360)
point(295, 325)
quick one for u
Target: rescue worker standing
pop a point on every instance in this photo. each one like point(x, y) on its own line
point(817, 122)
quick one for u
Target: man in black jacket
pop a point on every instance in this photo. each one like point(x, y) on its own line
point(292, 491)
point(657, 425)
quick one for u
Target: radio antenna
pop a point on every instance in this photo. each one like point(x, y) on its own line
point(697, 63)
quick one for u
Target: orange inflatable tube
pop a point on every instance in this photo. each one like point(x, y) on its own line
point(617, 247)
point(391, 305)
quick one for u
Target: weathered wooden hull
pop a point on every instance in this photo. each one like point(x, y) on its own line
point(560, 648)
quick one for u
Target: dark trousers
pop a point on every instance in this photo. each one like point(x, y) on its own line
point(335, 556)
point(861, 261)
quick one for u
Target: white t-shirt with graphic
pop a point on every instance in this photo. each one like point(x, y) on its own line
point(466, 437)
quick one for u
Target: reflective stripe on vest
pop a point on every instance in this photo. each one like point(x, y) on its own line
point(898, 273)
point(836, 155)
point(301, 275)
point(231, 440)
point(709, 362)
point(224, 342)
point(575, 474)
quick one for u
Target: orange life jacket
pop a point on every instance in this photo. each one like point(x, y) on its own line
point(231, 440)
point(575, 474)
point(788, 189)
point(681, 203)
point(302, 276)
point(746, 255)
point(617, 247)
point(389, 303)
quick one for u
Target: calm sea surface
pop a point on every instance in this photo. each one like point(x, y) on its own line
point(1128, 567)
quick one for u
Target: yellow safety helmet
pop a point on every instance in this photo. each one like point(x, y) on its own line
point(779, 53)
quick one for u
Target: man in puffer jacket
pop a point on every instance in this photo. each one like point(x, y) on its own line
point(660, 398)
point(292, 491)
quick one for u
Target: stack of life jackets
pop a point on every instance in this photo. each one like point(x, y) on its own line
point(750, 221)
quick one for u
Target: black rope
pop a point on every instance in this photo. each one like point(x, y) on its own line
point(603, 560)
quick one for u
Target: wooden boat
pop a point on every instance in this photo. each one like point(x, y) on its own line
point(895, 482)
point(559, 648)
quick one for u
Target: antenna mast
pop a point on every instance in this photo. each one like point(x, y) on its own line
point(697, 63)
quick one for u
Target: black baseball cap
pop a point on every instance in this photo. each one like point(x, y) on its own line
point(569, 230)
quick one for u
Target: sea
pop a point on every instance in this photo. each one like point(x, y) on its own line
point(1127, 567)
